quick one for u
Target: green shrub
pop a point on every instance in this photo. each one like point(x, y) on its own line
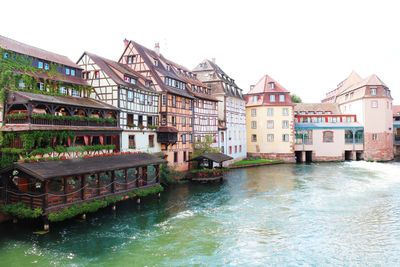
point(22, 211)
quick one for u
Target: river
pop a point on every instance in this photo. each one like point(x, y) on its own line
point(328, 214)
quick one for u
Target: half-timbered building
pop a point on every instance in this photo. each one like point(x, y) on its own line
point(116, 84)
point(231, 108)
point(175, 133)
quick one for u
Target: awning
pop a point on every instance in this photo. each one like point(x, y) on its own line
point(216, 157)
point(329, 125)
point(167, 129)
point(61, 168)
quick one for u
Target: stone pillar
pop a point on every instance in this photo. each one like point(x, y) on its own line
point(303, 156)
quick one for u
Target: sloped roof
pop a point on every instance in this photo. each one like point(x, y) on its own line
point(21, 48)
point(65, 100)
point(111, 68)
point(307, 107)
point(156, 71)
point(396, 110)
point(61, 168)
point(216, 74)
point(263, 86)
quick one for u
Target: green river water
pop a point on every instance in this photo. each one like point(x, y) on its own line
point(332, 214)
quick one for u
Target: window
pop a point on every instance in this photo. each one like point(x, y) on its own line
point(129, 120)
point(184, 155)
point(183, 137)
point(271, 85)
point(175, 157)
point(253, 138)
point(270, 137)
point(183, 121)
point(67, 71)
point(327, 137)
point(222, 137)
point(281, 98)
point(235, 149)
point(230, 149)
point(253, 125)
point(40, 65)
point(285, 112)
point(132, 143)
point(72, 72)
point(155, 61)
point(254, 98)
point(164, 100)
point(40, 86)
point(270, 124)
point(163, 119)
point(6, 55)
point(149, 120)
point(75, 92)
point(130, 96)
point(374, 137)
point(240, 148)
point(130, 59)
point(97, 74)
point(253, 112)
point(222, 149)
point(168, 67)
point(271, 98)
point(270, 112)
point(285, 124)
point(183, 103)
point(151, 140)
point(285, 138)
point(173, 119)
point(374, 104)
point(63, 90)
point(373, 91)
point(174, 101)
point(46, 66)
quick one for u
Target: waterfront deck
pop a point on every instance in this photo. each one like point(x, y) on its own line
point(55, 185)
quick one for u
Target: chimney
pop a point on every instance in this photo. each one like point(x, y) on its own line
point(157, 48)
point(213, 60)
point(126, 42)
point(252, 86)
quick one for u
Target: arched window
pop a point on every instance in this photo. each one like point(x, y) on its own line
point(328, 137)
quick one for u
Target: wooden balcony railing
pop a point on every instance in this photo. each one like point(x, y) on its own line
point(63, 121)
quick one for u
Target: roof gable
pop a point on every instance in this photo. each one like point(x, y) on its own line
point(264, 86)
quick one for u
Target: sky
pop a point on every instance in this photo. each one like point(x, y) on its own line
point(307, 46)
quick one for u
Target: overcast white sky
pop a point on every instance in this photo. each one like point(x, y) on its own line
point(308, 46)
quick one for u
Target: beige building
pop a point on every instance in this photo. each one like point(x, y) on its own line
point(371, 101)
point(269, 121)
point(323, 133)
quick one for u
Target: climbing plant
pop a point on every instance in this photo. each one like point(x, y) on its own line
point(17, 74)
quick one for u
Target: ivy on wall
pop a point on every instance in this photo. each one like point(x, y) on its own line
point(16, 69)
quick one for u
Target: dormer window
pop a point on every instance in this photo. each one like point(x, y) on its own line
point(72, 72)
point(130, 80)
point(40, 64)
point(168, 67)
point(155, 62)
point(129, 59)
point(373, 91)
point(271, 85)
point(67, 71)
point(97, 74)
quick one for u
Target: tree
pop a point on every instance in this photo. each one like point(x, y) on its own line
point(205, 146)
point(296, 99)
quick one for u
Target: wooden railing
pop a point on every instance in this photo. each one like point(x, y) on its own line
point(61, 122)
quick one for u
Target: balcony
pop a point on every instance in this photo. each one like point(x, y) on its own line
point(47, 119)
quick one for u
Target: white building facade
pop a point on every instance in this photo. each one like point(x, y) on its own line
point(118, 85)
point(231, 109)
